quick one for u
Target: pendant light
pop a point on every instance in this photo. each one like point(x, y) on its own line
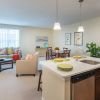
point(80, 28)
point(57, 24)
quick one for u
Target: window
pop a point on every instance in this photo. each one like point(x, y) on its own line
point(9, 38)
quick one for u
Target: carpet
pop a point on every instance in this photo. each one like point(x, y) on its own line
point(18, 88)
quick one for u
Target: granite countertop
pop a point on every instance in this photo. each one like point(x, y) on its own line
point(78, 67)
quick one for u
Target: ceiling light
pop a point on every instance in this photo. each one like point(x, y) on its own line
point(80, 28)
point(57, 24)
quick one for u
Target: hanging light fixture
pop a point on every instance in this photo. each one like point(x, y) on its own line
point(57, 24)
point(80, 28)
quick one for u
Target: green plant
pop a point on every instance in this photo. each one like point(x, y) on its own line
point(98, 52)
point(56, 48)
point(93, 49)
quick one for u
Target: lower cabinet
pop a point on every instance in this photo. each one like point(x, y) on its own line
point(58, 88)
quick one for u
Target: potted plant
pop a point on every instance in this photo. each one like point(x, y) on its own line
point(57, 49)
point(92, 49)
point(98, 52)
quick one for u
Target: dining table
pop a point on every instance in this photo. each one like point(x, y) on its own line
point(57, 54)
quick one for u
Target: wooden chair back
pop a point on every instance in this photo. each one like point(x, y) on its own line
point(49, 53)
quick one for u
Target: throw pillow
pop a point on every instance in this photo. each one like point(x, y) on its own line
point(3, 51)
point(10, 51)
point(29, 57)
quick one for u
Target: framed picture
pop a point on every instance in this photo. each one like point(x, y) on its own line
point(67, 38)
point(42, 41)
point(78, 38)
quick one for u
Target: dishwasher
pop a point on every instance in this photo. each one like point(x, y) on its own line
point(83, 86)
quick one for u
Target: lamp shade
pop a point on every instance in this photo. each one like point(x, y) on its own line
point(57, 26)
point(80, 29)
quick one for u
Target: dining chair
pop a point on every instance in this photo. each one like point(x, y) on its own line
point(65, 49)
point(57, 53)
point(66, 53)
point(48, 48)
point(50, 54)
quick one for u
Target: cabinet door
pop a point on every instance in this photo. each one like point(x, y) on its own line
point(84, 90)
point(97, 72)
point(97, 88)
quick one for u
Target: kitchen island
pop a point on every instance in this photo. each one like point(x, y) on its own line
point(57, 84)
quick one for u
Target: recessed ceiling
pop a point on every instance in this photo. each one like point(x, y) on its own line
point(41, 13)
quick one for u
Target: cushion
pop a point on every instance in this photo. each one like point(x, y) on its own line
point(29, 57)
point(15, 57)
point(3, 51)
point(10, 51)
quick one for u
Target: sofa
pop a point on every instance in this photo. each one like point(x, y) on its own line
point(10, 52)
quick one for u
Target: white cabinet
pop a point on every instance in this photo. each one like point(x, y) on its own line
point(42, 51)
point(55, 87)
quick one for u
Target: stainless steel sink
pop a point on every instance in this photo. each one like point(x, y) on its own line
point(90, 62)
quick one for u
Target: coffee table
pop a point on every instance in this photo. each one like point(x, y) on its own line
point(6, 61)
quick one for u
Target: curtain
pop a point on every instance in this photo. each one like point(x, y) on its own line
point(9, 38)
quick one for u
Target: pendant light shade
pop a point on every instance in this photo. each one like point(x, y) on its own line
point(80, 28)
point(57, 24)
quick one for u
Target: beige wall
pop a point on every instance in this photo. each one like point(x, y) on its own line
point(57, 38)
point(92, 33)
point(28, 36)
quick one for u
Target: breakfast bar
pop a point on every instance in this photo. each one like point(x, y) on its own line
point(57, 84)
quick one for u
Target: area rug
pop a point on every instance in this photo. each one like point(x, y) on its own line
point(18, 88)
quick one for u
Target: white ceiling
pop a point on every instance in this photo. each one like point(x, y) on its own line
point(41, 13)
